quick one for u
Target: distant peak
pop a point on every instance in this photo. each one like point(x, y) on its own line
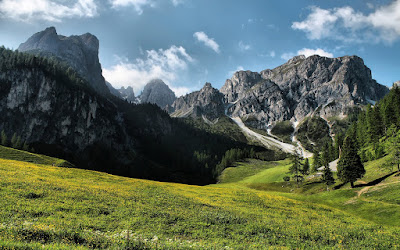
point(51, 30)
point(297, 58)
point(207, 85)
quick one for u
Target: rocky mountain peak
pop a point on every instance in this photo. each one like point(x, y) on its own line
point(80, 52)
point(157, 92)
point(206, 103)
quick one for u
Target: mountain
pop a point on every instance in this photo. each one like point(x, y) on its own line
point(127, 94)
point(157, 92)
point(79, 52)
point(207, 103)
point(301, 87)
point(112, 90)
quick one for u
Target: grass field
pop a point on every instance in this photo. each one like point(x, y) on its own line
point(50, 207)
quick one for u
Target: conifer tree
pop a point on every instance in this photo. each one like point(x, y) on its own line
point(296, 169)
point(316, 162)
point(306, 167)
point(14, 140)
point(327, 177)
point(18, 143)
point(349, 166)
point(4, 140)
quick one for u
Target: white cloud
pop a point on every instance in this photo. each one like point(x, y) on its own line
point(243, 46)
point(49, 10)
point(239, 68)
point(306, 52)
point(163, 64)
point(272, 54)
point(138, 5)
point(209, 42)
point(310, 52)
point(349, 25)
point(287, 56)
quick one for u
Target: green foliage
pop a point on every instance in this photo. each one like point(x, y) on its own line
point(14, 140)
point(327, 176)
point(349, 166)
point(283, 130)
point(316, 162)
point(296, 169)
point(313, 133)
point(4, 140)
point(306, 167)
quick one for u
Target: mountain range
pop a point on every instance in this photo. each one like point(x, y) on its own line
point(54, 96)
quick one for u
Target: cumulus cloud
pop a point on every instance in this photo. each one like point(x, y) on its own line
point(49, 10)
point(209, 42)
point(243, 46)
point(349, 25)
point(239, 68)
point(164, 64)
point(310, 52)
point(306, 52)
point(138, 5)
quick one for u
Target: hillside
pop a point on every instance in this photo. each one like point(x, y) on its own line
point(63, 208)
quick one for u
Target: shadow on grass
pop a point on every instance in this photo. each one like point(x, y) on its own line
point(377, 181)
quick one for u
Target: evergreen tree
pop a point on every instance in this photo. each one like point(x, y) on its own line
point(18, 143)
point(316, 162)
point(14, 140)
point(327, 177)
point(296, 169)
point(349, 166)
point(4, 140)
point(25, 147)
point(306, 167)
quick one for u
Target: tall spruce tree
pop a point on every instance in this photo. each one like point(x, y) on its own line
point(4, 140)
point(306, 167)
point(296, 169)
point(327, 177)
point(316, 162)
point(349, 166)
point(14, 140)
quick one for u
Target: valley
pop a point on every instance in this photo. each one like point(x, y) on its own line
point(63, 208)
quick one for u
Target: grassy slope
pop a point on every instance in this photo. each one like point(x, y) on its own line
point(53, 207)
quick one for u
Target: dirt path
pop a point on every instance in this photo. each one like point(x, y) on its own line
point(365, 189)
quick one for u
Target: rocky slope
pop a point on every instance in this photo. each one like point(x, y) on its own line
point(301, 87)
point(128, 94)
point(80, 52)
point(207, 102)
point(157, 92)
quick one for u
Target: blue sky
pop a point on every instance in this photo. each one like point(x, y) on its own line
point(190, 42)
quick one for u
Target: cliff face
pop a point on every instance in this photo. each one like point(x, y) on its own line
point(301, 87)
point(79, 52)
point(60, 118)
point(207, 102)
point(157, 92)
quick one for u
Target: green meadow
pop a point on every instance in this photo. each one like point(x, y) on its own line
point(45, 205)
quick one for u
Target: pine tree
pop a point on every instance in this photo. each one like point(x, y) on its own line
point(349, 166)
point(327, 177)
point(25, 147)
point(306, 167)
point(18, 143)
point(14, 140)
point(316, 162)
point(4, 140)
point(296, 169)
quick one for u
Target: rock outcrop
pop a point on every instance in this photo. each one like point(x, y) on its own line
point(157, 92)
point(301, 87)
point(207, 102)
point(127, 94)
point(79, 52)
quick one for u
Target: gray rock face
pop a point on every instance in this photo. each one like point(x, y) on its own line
point(113, 90)
point(396, 84)
point(157, 92)
point(207, 102)
point(80, 52)
point(301, 87)
point(41, 110)
point(128, 94)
